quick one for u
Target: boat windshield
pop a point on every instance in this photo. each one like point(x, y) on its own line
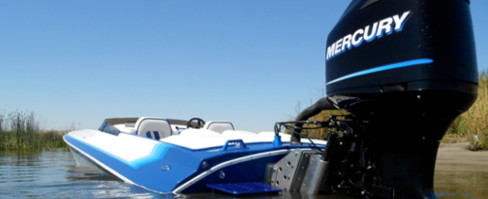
point(116, 125)
point(108, 125)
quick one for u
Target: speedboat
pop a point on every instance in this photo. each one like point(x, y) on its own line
point(403, 70)
point(177, 156)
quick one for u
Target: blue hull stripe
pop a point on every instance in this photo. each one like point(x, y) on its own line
point(170, 168)
point(158, 151)
point(408, 63)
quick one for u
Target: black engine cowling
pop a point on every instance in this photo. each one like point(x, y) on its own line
point(404, 70)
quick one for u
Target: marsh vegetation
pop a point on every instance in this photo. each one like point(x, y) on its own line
point(20, 131)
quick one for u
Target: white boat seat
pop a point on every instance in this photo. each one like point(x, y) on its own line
point(218, 126)
point(154, 128)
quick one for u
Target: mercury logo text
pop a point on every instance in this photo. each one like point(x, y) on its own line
point(369, 33)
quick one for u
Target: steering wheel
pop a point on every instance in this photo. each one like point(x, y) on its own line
point(195, 123)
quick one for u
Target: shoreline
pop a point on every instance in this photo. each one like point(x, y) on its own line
point(457, 156)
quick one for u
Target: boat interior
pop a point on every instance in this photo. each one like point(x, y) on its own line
point(192, 134)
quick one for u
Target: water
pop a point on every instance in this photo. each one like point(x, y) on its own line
point(53, 174)
point(462, 181)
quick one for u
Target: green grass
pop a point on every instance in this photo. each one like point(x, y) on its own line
point(31, 141)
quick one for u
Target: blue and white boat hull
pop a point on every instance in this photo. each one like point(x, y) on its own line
point(167, 165)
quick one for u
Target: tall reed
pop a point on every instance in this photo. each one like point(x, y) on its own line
point(473, 124)
point(20, 132)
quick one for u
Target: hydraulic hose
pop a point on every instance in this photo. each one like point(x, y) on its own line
point(319, 106)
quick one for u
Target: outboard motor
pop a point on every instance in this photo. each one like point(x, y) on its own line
point(404, 70)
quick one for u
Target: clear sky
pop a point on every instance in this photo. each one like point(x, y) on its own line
point(253, 62)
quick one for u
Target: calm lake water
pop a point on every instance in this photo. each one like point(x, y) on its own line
point(53, 174)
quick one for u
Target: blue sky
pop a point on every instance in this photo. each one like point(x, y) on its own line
point(74, 63)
